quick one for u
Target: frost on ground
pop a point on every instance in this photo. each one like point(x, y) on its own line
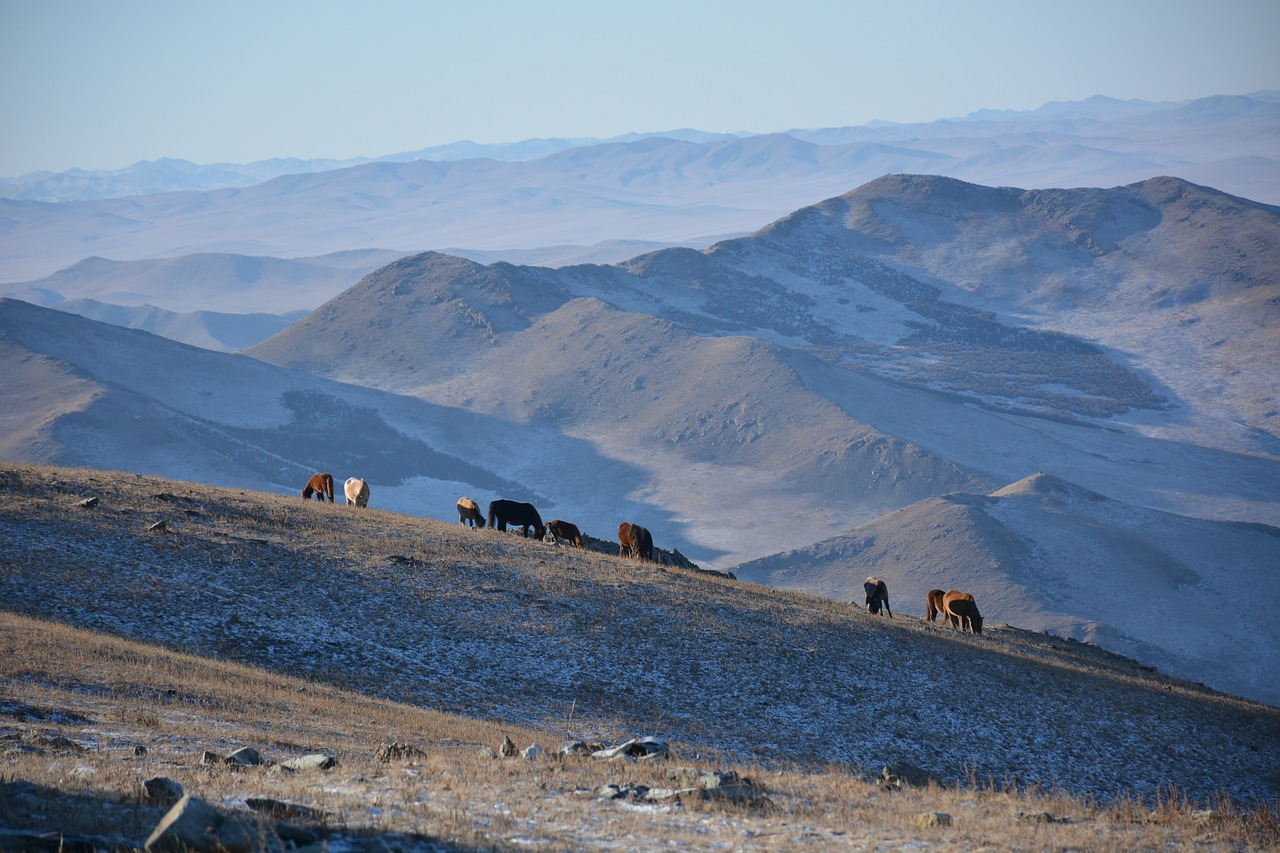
point(493, 626)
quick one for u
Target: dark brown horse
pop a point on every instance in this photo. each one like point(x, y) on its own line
point(566, 530)
point(877, 596)
point(503, 512)
point(320, 485)
point(962, 611)
point(634, 541)
point(933, 604)
point(469, 511)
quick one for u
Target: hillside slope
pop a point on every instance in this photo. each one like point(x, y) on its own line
point(1049, 556)
point(502, 628)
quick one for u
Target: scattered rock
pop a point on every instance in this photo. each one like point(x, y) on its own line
point(193, 825)
point(487, 752)
point(211, 757)
point(577, 747)
point(722, 786)
point(84, 773)
point(162, 791)
point(158, 527)
point(299, 836)
point(534, 752)
point(89, 503)
point(245, 756)
point(931, 819)
point(397, 751)
point(318, 761)
point(508, 748)
point(139, 750)
point(637, 748)
point(622, 792)
point(29, 841)
point(902, 774)
point(61, 744)
point(281, 809)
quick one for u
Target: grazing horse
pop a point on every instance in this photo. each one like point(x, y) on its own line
point(877, 596)
point(504, 512)
point(962, 611)
point(933, 604)
point(635, 541)
point(469, 511)
point(566, 530)
point(357, 492)
point(320, 485)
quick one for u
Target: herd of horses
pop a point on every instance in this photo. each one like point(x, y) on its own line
point(633, 540)
point(957, 608)
point(320, 486)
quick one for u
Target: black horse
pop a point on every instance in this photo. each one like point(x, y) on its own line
point(503, 512)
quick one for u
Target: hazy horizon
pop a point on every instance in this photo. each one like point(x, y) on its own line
point(103, 86)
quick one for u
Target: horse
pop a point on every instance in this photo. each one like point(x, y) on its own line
point(503, 512)
point(933, 604)
point(635, 541)
point(357, 492)
point(469, 511)
point(877, 596)
point(962, 611)
point(320, 485)
point(566, 530)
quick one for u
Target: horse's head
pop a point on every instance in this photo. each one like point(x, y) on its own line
point(975, 622)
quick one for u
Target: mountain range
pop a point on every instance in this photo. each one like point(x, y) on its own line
point(1064, 400)
point(688, 187)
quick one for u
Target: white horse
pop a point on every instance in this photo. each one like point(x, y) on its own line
point(357, 492)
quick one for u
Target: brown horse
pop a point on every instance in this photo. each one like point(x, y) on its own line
point(357, 492)
point(469, 511)
point(933, 603)
point(320, 485)
point(566, 530)
point(634, 541)
point(877, 596)
point(962, 611)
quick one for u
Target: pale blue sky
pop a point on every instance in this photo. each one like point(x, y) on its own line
point(101, 85)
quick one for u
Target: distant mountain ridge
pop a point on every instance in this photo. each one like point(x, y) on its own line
point(680, 188)
point(915, 338)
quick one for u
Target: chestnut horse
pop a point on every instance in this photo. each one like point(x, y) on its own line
point(877, 596)
point(469, 511)
point(634, 541)
point(566, 530)
point(357, 492)
point(962, 611)
point(503, 512)
point(933, 604)
point(320, 485)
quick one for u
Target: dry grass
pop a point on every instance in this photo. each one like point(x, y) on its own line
point(705, 661)
point(106, 697)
